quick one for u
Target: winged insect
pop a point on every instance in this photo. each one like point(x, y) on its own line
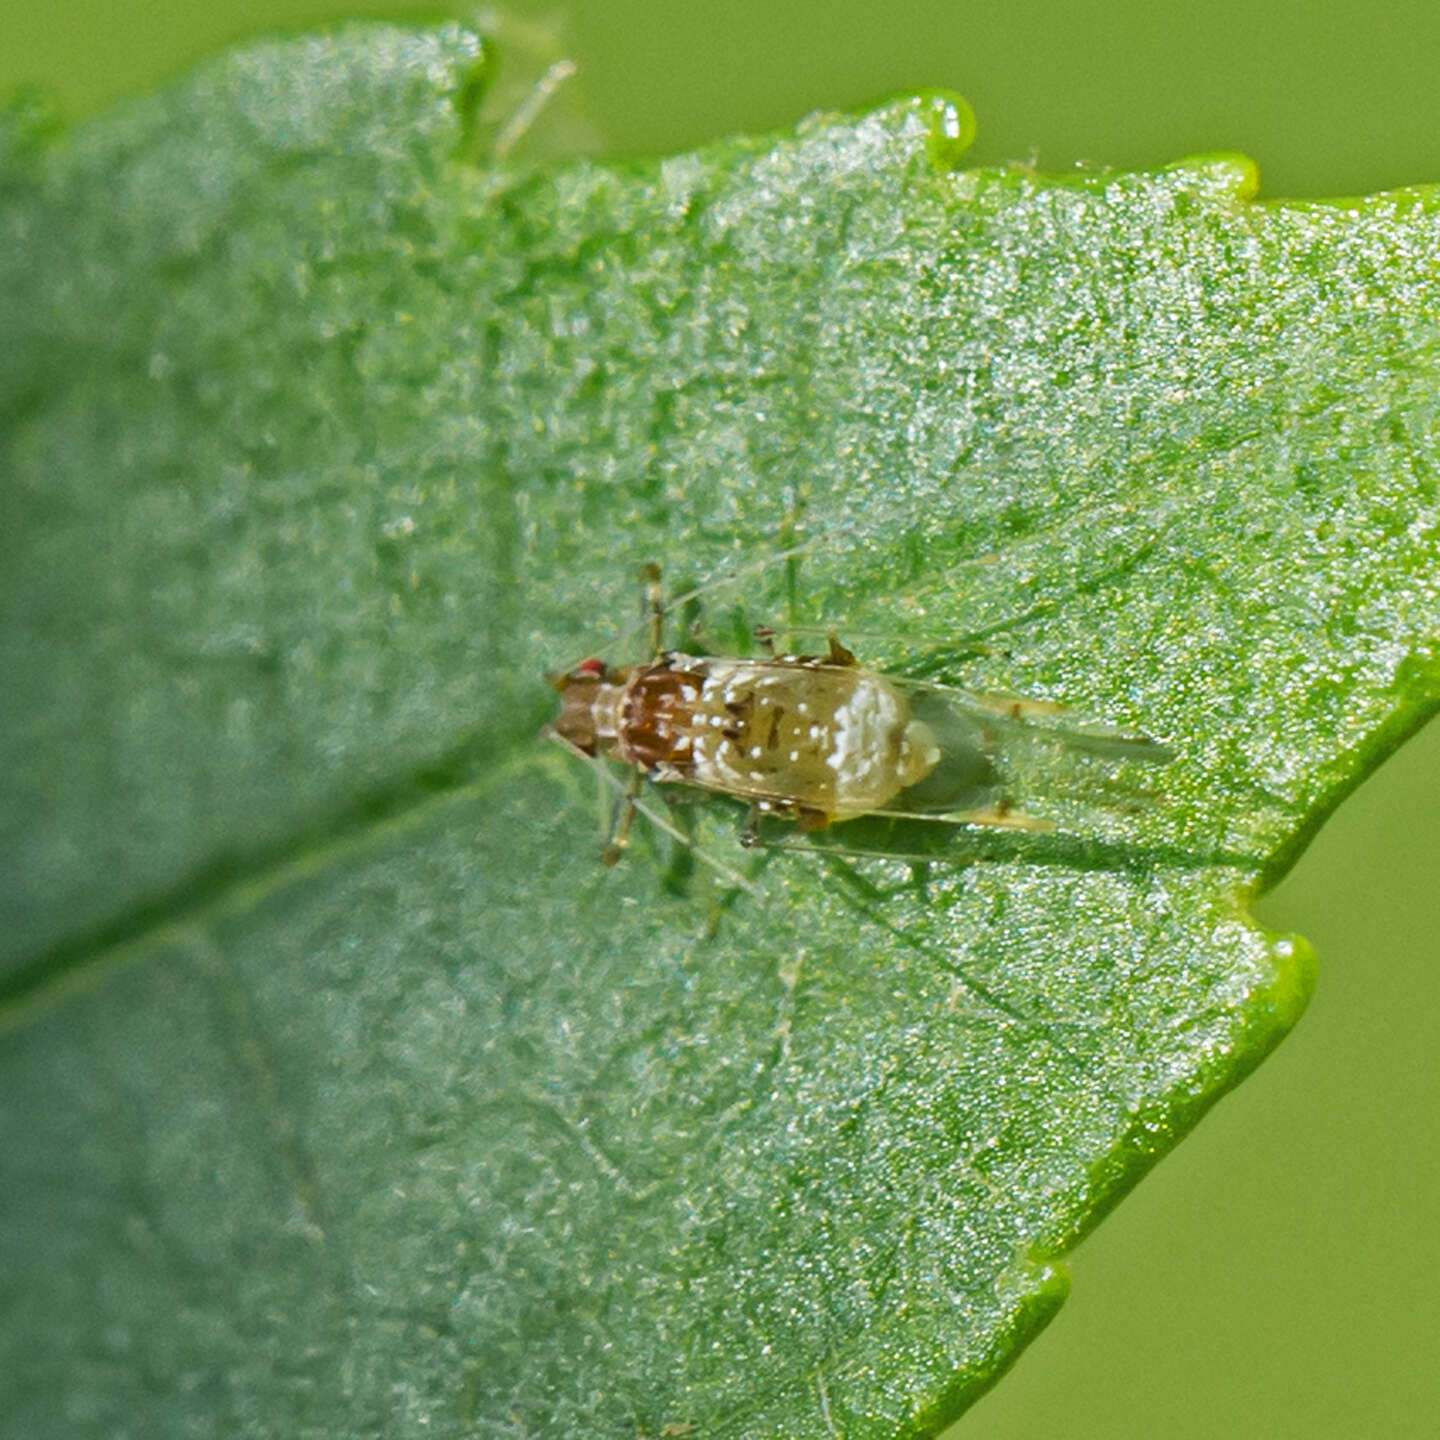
point(813, 739)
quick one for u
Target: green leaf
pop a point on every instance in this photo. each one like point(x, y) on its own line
point(344, 1091)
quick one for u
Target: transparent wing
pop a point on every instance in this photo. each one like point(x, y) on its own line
point(1030, 763)
point(1020, 720)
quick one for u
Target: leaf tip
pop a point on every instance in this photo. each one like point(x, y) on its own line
point(1223, 174)
point(951, 127)
point(1294, 960)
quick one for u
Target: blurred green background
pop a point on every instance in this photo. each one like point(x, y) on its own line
point(1277, 1276)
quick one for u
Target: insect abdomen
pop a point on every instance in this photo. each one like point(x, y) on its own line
point(834, 741)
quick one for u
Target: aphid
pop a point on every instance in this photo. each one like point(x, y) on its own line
point(817, 739)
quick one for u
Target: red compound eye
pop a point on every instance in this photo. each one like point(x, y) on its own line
point(590, 667)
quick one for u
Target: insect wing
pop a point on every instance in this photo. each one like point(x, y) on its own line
point(1027, 721)
point(1016, 762)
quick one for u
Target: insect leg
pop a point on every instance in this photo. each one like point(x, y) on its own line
point(620, 835)
point(630, 797)
point(691, 595)
point(653, 608)
point(999, 817)
point(540, 94)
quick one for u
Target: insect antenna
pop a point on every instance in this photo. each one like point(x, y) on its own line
point(758, 567)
